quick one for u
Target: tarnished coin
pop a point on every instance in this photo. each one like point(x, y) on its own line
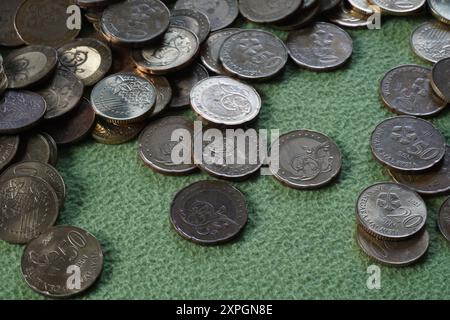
point(221, 13)
point(29, 207)
point(121, 61)
point(398, 8)
point(8, 149)
point(305, 15)
point(163, 93)
point(430, 41)
point(225, 101)
point(35, 147)
point(431, 183)
point(253, 54)
point(94, 14)
point(110, 133)
point(45, 22)
point(8, 34)
point(268, 11)
point(20, 111)
point(209, 212)
point(307, 159)
point(158, 141)
point(30, 65)
point(89, 59)
point(62, 94)
point(135, 22)
point(94, 3)
point(328, 5)
point(440, 9)
point(362, 6)
point(407, 144)
point(394, 253)
point(178, 49)
point(444, 219)
point(407, 90)
point(440, 79)
point(53, 148)
point(193, 20)
point(123, 98)
point(321, 46)
point(50, 261)
point(182, 84)
point(346, 17)
point(391, 211)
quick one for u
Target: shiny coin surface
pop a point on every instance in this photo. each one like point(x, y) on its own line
point(429, 41)
point(328, 5)
point(20, 111)
point(391, 211)
point(123, 98)
point(209, 212)
point(407, 144)
point(194, 21)
point(135, 22)
point(29, 207)
point(35, 147)
point(321, 46)
point(407, 90)
point(89, 59)
point(361, 6)
point(163, 93)
point(221, 13)
point(440, 79)
point(305, 15)
point(110, 133)
point(47, 259)
point(399, 8)
point(444, 219)
point(394, 253)
point(8, 34)
point(253, 54)
point(225, 101)
point(440, 9)
point(8, 149)
point(307, 160)
point(177, 50)
point(54, 32)
point(156, 145)
point(182, 84)
point(29, 65)
point(267, 11)
point(346, 17)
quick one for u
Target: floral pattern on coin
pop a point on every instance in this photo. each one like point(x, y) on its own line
point(431, 41)
point(399, 7)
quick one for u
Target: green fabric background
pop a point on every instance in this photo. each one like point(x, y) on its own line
point(297, 244)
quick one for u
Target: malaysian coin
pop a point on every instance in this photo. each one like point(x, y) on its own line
point(328, 5)
point(94, 14)
point(253, 55)
point(8, 149)
point(431, 183)
point(182, 84)
point(30, 65)
point(391, 211)
point(362, 6)
point(439, 79)
point(444, 219)
point(346, 17)
point(53, 148)
point(221, 13)
point(50, 261)
point(20, 111)
point(399, 8)
point(430, 41)
point(123, 98)
point(35, 147)
point(209, 212)
point(268, 11)
point(394, 253)
point(30, 17)
point(8, 34)
point(157, 143)
point(178, 49)
point(225, 101)
point(194, 21)
point(320, 47)
point(135, 22)
point(307, 12)
point(121, 60)
point(407, 144)
point(407, 90)
point(94, 3)
point(440, 9)
point(109, 133)
point(163, 93)
point(89, 59)
point(306, 159)
point(29, 207)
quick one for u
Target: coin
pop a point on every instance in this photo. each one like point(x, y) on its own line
point(50, 262)
point(110, 133)
point(253, 54)
point(94, 3)
point(407, 144)
point(362, 6)
point(30, 17)
point(328, 5)
point(178, 49)
point(34, 147)
point(30, 65)
point(53, 148)
point(157, 143)
point(194, 21)
point(305, 15)
point(8, 34)
point(40, 170)
point(399, 8)
point(163, 93)
point(209, 212)
point(320, 47)
point(20, 111)
point(183, 82)
point(306, 159)
point(267, 11)
point(29, 207)
point(391, 211)
point(221, 13)
point(431, 183)
point(94, 14)
point(225, 101)
point(123, 98)
point(394, 253)
point(444, 219)
point(346, 17)
point(439, 79)
point(135, 22)
point(429, 41)
point(121, 61)
point(8, 149)
point(89, 59)
point(407, 90)
point(440, 9)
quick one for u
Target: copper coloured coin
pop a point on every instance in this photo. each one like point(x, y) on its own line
point(444, 219)
point(439, 79)
point(193, 20)
point(8, 149)
point(346, 17)
point(268, 11)
point(182, 84)
point(109, 133)
point(8, 34)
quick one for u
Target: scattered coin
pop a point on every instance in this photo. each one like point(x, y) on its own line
point(122, 61)
point(399, 8)
point(328, 5)
point(195, 21)
point(53, 148)
point(94, 14)
point(163, 93)
point(307, 12)
point(209, 212)
point(34, 147)
point(439, 79)
point(440, 9)
point(8, 149)
point(182, 84)
point(47, 259)
point(267, 11)
point(429, 41)
point(346, 17)
point(110, 133)
point(94, 3)
point(8, 34)
point(444, 219)
point(362, 6)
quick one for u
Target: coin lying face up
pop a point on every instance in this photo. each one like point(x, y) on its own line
point(36, 147)
point(429, 41)
point(8, 34)
point(306, 13)
point(268, 11)
point(346, 17)
point(439, 79)
point(440, 9)
point(193, 20)
point(399, 8)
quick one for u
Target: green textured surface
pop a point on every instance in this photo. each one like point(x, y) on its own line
point(296, 245)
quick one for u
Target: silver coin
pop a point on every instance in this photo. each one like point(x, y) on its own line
point(345, 17)
point(309, 10)
point(440, 9)
point(195, 21)
point(163, 92)
point(431, 41)
point(362, 6)
point(268, 11)
point(439, 79)
point(183, 82)
point(399, 8)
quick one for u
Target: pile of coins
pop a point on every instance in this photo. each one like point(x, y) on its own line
point(3, 78)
